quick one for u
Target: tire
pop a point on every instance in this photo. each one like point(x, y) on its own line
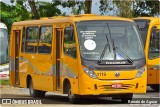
point(35, 93)
point(72, 98)
point(155, 87)
point(126, 97)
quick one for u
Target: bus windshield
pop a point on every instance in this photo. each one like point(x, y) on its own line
point(3, 45)
point(99, 38)
point(143, 26)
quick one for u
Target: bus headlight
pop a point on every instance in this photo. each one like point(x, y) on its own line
point(140, 72)
point(90, 73)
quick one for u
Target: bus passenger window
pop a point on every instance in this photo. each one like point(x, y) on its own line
point(45, 40)
point(31, 39)
point(154, 48)
point(69, 42)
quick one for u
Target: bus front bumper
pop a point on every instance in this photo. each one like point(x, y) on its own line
point(103, 87)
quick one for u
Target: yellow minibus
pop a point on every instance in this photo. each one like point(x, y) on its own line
point(150, 31)
point(81, 55)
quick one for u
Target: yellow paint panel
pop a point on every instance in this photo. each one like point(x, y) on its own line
point(107, 75)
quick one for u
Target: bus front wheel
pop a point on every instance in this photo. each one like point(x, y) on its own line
point(33, 92)
point(72, 97)
point(155, 87)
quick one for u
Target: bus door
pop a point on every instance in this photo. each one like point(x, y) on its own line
point(153, 56)
point(58, 56)
point(42, 59)
point(17, 34)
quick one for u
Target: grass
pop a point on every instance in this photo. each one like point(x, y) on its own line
point(4, 82)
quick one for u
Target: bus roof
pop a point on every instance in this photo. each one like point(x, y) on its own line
point(152, 19)
point(73, 18)
point(2, 25)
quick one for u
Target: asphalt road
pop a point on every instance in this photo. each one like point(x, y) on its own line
point(57, 100)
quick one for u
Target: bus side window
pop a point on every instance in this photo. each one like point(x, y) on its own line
point(31, 39)
point(45, 40)
point(154, 43)
point(69, 42)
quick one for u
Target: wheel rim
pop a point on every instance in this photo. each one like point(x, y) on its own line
point(70, 94)
point(31, 88)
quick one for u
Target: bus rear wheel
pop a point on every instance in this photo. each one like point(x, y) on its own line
point(35, 93)
point(72, 97)
point(155, 87)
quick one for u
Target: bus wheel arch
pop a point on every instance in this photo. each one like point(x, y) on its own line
point(28, 80)
point(155, 87)
point(33, 92)
point(67, 90)
point(66, 84)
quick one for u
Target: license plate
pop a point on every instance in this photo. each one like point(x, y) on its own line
point(116, 85)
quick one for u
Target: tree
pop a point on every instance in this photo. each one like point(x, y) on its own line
point(88, 7)
point(118, 7)
point(40, 9)
point(47, 9)
point(11, 13)
point(131, 8)
point(23, 11)
point(103, 7)
point(34, 9)
point(146, 7)
point(78, 6)
point(124, 8)
point(44, 9)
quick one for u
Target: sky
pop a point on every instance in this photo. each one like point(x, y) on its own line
point(95, 4)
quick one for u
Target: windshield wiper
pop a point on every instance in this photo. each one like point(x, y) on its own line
point(104, 50)
point(124, 54)
point(117, 49)
point(112, 41)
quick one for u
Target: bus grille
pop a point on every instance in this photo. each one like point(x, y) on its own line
point(109, 87)
point(115, 68)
